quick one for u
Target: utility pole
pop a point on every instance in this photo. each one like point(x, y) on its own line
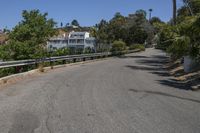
point(174, 11)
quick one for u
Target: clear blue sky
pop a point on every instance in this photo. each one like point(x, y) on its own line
point(87, 12)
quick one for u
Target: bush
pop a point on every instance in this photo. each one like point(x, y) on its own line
point(118, 47)
point(166, 35)
point(137, 46)
point(179, 47)
point(61, 52)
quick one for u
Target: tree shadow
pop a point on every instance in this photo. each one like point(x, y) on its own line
point(176, 84)
point(142, 68)
point(155, 65)
point(160, 57)
point(132, 56)
point(162, 73)
point(164, 94)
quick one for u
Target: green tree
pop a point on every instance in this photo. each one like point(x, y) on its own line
point(141, 13)
point(134, 29)
point(155, 20)
point(166, 34)
point(75, 23)
point(28, 39)
point(193, 6)
point(116, 28)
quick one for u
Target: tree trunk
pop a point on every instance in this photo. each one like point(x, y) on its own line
point(174, 12)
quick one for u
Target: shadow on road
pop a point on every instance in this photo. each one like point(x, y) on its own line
point(154, 65)
point(164, 94)
point(134, 56)
point(142, 68)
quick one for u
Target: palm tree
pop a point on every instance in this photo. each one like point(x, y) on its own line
point(174, 11)
point(150, 11)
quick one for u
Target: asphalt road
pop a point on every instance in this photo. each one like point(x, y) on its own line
point(131, 94)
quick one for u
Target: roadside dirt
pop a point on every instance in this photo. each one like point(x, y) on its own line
point(191, 79)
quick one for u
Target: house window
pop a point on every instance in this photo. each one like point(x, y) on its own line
point(80, 41)
point(72, 41)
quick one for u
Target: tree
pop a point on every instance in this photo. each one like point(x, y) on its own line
point(116, 29)
point(28, 39)
point(134, 29)
point(101, 32)
point(193, 6)
point(155, 20)
point(75, 23)
point(141, 13)
point(117, 16)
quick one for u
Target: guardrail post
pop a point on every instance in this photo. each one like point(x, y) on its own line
point(74, 60)
point(51, 64)
point(18, 69)
point(64, 61)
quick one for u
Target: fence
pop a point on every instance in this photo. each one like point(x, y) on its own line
point(12, 67)
point(82, 57)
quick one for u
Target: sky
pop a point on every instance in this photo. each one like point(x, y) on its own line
point(87, 12)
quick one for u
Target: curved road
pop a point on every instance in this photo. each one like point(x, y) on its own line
point(131, 94)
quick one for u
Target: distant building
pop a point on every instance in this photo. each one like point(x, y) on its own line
point(75, 40)
point(80, 40)
point(57, 43)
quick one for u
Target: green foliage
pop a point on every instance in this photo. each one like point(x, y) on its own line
point(88, 50)
point(141, 13)
point(184, 38)
point(167, 34)
point(136, 35)
point(179, 47)
point(61, 52)
point(118, 46)
point(7, 71)
point(137, 46)
point(75, 23)
point(193, 32)
point(193, 6)
point(154, 20)
point(132, 29)
point(28, 39)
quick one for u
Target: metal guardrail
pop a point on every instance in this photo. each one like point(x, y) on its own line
point(59, 58)
point(51, 59)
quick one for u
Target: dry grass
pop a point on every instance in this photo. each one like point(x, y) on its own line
point(41, 67)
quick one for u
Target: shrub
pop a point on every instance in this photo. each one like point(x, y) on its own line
point(118, 46)
point(179, 47)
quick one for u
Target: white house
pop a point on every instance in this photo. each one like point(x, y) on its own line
point(57, 43)
point(79, 40)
